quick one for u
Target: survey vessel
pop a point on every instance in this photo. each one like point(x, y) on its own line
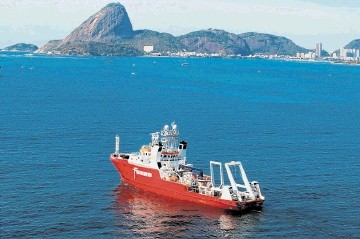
point(161, 167)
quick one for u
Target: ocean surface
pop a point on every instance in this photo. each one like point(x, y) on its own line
point(294, 125)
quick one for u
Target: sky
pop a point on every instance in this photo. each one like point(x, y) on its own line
point(332, 22)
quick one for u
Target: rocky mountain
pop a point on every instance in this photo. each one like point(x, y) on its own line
point(354, 44)
point(109, 33)
point(162, 42)
point(215, 41)
point(262, 43)
point(51, 46)
point(22, 47)
point(111, 24)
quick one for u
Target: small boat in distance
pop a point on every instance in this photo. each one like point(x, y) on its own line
point(161, 167)
point(185, 64)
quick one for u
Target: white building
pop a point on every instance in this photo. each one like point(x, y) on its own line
point(309, 55)
point(349, 54)
point(318, 49)
point(148, 49)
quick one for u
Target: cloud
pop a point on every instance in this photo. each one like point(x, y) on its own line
point(336, 3)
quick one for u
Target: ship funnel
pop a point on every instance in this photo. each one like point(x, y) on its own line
point(117, 139)
point(182, 149)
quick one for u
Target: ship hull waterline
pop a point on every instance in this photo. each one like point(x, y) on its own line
point(151, 181)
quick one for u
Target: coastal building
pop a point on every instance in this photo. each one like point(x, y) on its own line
point(148, 49)
point(318, 49)
point(309, 55)
point(349, 54)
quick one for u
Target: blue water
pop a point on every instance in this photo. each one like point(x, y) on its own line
point(295, 127)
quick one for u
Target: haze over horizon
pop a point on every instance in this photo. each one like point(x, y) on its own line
point(334, 23)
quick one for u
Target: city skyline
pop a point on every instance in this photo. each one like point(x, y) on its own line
point(307, 21)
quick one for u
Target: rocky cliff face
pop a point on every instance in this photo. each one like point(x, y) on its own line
point(270, 44)
point(51, 46)
point(109, 25)
point(109, 33)
point(215, 41)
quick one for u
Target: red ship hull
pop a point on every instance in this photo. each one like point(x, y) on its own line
point(149, 179)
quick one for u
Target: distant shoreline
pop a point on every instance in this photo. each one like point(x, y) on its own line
point(255, 57)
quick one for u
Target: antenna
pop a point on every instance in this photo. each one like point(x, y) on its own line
point(117, 139)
